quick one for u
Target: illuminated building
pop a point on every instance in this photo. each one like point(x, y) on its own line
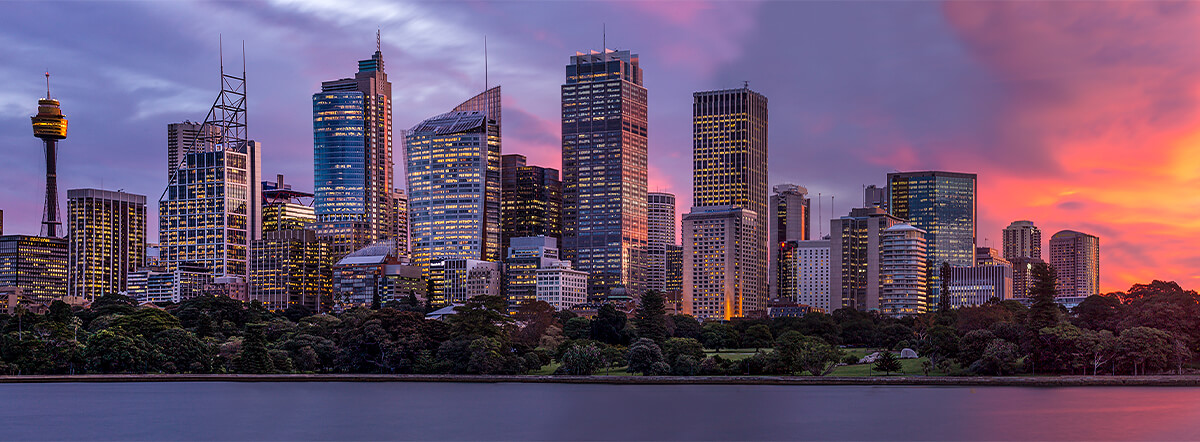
point(344, 236)
point(811, 274)
point(400, 230)
point(106, 239)
point(978, 284)
point(284, 208)
point(903, 272)
point(212, 207)
point(181, 139)
point(942, 204)
point(1075, 257)
point(660, 234)
point(375, 271)
point(790, 222)
point(674, 268)
point(720, 265)
point(561, 286)
point(1022, 239)
point(50, 126)
point(159, 285)
point(531, 200)
point(461, 279)
point(855, 258)
point(454, 188)
point(352, 155)
point(36, 264)
point(1022, 269)
point(604, 158)
point(729, 153)
point(988, 256)
point(291, 268)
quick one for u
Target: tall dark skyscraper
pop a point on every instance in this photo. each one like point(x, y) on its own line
point(729, 154)
point(531, 201)
point(50, 126)
point(352, 156)
point(604, 156)
point(790, 220)
point(943, 204)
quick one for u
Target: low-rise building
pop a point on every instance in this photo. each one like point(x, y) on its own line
point(561, 286)
point(976, 285)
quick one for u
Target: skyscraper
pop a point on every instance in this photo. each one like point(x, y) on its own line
point(352, 155)
point(729, 156)
point(181, 139)
point(284, 208)
point(855, 258)
point(1075, 257)
point(811, 275)
point(604, 154)
point(531, 201)
point(903, 271)
point(1022, 239)
point(660, 208)
point(50, 126)
point(291, 268)
point(400, 204)
point(212, 207)
point(942, 204)
point(106, 239)
point(790, 222)
point(721, 265)
point(454, 187)
point(875, 197)
point(36, 264)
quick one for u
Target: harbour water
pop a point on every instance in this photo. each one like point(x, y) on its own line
point(516, 411)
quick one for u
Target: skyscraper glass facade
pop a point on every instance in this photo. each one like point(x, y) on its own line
point(106, 239)
point(531, 201)
point(943, 204)
point(604, 152)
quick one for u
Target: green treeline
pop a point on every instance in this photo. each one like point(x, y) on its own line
point(1152, 328)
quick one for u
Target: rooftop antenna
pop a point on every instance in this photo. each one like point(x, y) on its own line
point(604, 38)
point(47, 83)
point(820, 213)
point(485, 65)
point(746, 84)
point(378, 42)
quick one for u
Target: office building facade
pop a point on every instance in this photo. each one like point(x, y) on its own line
point(1022, 269)
point(721, 269)
point(903, 271)
point(561, 286)
point(462, 279)
point(976, 285)
point(35, 264)
point(1075, 257)
point(1022, 239)
point(291, 268)
point(284, 208)
point(855, 258)
point(526, 255)
point(811, 274)
point(943, 204)
point(790, 223)
point(106, 239)
point(660, 234)
point(604, 160)
point(531, 201)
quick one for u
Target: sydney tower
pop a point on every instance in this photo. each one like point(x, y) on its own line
point(50, 125)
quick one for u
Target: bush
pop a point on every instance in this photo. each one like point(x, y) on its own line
point(644, 356)
point(685, 365)
point(582, 360)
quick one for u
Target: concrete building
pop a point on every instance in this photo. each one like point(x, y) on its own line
point(989, 256)
point(35, 264)
point(855, 259)
point(458, 280)
point(291, 268)
point(561, 286)
point(729, 157)
point(352, 155)
point(530, 202)
point(660, 236)
point(811, 267)
point(526, 255)
point(903, 271)
point(1075, 257)
point(375, 271)
point(944, 205)
point(790, 222)
point(106, 239)
point(605, 158)
point(400, 221)
point(721, 268)
point(182, 138)
point(976, 285)
point(1022, 239)
point(454, 188)
point(874, 196)
point(160, 285)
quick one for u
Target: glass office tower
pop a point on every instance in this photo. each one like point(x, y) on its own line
point(531, 201)
point(106, 239)
point(604, 154)
point(943, 204)
point(454, 188)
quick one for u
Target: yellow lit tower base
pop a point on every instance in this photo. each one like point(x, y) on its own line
point(50, 125)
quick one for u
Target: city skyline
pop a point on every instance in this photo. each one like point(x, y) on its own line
point(1071, 190)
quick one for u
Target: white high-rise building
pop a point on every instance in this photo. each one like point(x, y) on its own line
point(561, 286)
point(812, 274)
point(721, 263)
point(1075, 257)
point(1022, 239)
point(660, 210)
point(903, 271)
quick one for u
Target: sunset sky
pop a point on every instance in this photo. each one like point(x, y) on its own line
point(1075, 115)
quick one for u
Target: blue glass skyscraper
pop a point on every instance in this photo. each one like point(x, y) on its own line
point(943, 204)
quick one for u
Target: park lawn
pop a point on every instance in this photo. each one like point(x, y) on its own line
point(614, 371)
point(735, 354)
point(911, 367)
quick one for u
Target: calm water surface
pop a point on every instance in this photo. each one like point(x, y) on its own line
point(410, 410)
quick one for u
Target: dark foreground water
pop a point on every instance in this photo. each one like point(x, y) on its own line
point(403, 410)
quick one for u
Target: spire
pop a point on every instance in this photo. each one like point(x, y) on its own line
point(47, 84)
point(378, 42)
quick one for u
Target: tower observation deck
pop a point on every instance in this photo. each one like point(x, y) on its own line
point(50, 125)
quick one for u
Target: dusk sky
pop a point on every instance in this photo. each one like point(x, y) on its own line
point(1074, 115)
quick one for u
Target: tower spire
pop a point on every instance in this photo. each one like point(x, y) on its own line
point(47, 84)
point(378, 42)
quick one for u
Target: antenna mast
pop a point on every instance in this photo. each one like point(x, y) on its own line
point(47, 84)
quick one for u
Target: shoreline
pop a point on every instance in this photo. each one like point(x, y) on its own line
point(981, 381)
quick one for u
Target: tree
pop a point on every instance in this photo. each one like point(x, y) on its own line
point(675, 348)
point(609, 325)
point(999, 358)
point(1098, 313)
point(717, 335)
point(481, 317)
point(108, 352)
point(651, 317)
point(972, 346)
point(60, 312)
point(1044, 312)
point(944, 295)
point(254, 357)
point(645, 357)
point(1143, 348)
point(582, 360)
point(577, 328)
point(757, 336)
point(798, 353)
point(184, 352)
point(887, 363)
point(1099, 347)
point(537, 317)
point(685, 326)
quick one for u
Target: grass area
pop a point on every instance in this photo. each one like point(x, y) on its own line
point(734, 354)
point(613, 371)
point(910, 367)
